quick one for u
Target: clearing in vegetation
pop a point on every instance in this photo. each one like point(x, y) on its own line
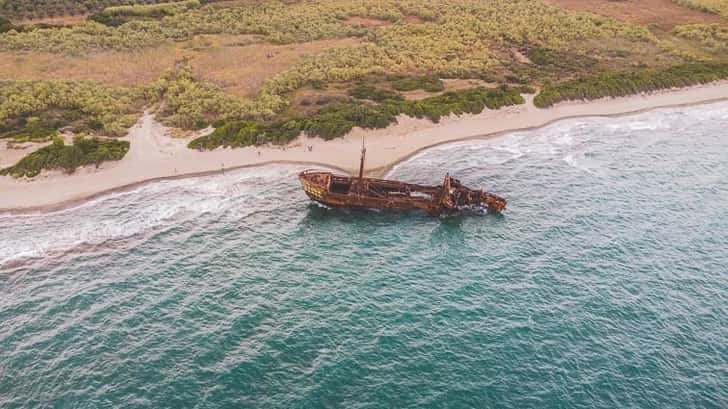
point(238, 66)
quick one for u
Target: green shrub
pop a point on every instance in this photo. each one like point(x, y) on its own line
point(25, 9)
point(372, 93)
point(190, 103)
point(30, 128)
point(118, 15)
point(152, 10)
point(89, 106)
point(68, 157)
point(631, 82)
point(5, 24)
point(563, 60)
point(108, 20)
point(541, 56)
point(714, 37)
point(337, 120)
point(231, 134)
point(429, 84)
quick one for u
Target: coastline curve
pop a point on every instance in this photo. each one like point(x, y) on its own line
point(383, 168)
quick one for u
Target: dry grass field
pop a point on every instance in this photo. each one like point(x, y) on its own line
point(110, 67)
point(242, 70)
point(226, 60)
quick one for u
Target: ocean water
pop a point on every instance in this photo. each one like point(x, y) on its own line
point(604, 284)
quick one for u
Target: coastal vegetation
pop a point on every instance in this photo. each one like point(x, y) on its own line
point(152, 10)
point(270, 20)
point(118, 15)
point(364, 61)
point(5, 25)
point(631, 82)
point(36, 109)
point(372, 93)
point(338, 119)
point(190, 103)
point(714, 37)
point(449, 26)
point(58, 155)
point(427, 83)
point(24, 9)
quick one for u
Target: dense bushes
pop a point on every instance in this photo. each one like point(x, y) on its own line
point(190, 103)
point(5, 25)
point(372, 93)
point(458, 36)
point(627, 83)
point(118, 15)
point(247, 133)
point(185, 102)
point(50, 8)
point(429, 84)
point(711, 36)
point(458, 44)
point(104, 110)
point(152, 10)
point(33, 128)
point(274, 21)
point(338, 119)
point(68, 157)
point(457, 39)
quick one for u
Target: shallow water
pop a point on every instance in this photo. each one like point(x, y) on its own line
point(603, 285)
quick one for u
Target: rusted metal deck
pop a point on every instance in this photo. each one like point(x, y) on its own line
point(344, 191)
point(360, 192)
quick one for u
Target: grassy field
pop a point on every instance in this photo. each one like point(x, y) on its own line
point(39, 9)
point(301, 63)
point(236, 63)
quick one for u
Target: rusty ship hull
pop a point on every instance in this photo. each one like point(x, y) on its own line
point(359, 192)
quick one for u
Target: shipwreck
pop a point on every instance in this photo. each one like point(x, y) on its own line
point(368, 193)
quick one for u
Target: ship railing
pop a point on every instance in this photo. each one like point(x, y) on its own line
point(310, 170)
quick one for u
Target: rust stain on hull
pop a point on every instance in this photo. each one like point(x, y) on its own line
point(352, 192)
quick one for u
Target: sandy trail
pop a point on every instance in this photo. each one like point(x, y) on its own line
point(153, 155)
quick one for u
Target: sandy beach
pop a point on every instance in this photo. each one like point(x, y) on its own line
point(154, 155)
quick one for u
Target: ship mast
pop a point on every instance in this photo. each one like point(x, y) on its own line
point(363, 155)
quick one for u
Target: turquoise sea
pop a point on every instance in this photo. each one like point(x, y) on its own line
point(604, 284)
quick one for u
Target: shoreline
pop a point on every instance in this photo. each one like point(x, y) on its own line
point(386, 169)
point(154, 156)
